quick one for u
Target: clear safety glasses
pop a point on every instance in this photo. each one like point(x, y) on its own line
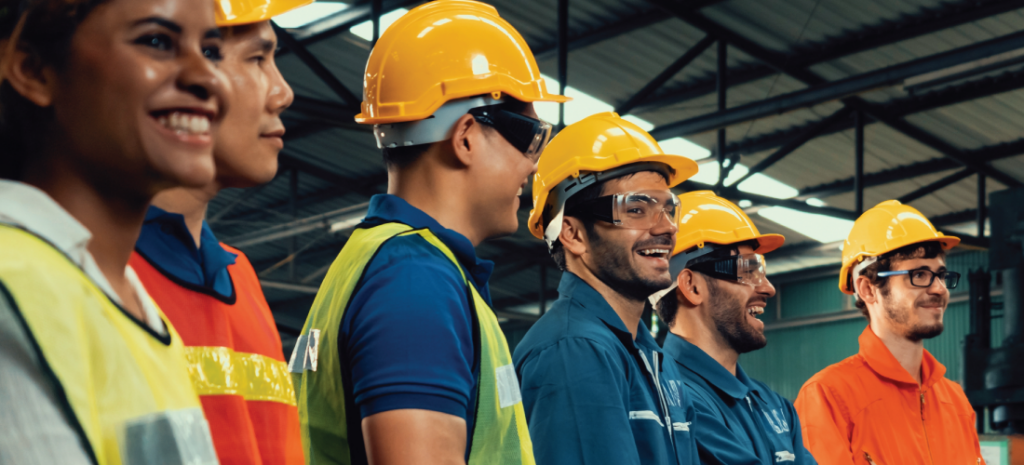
point(925, 278)
point(528, 135)
point(632, 210)
point(744, 268)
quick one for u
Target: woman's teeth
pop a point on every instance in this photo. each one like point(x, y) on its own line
point(755, 311)
point(189, 123)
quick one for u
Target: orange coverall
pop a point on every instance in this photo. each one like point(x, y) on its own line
point(868, 410)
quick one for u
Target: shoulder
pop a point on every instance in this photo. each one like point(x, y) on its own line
point(564, 328)
point(953, 393)
point(568, 353)
point(843, 374)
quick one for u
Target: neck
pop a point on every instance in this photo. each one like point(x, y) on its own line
point(702, 333)
point(628, 310)
point(907, 352)
point(113, 218)
point(190, 203)
point(436, 191)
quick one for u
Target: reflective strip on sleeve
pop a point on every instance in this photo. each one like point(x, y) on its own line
point(222, 371)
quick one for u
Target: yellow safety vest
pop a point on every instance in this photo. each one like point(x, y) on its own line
point(127, 388)
point(500, 435)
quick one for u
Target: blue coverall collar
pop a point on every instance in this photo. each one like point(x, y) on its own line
point(696, 360)
point(575, 288)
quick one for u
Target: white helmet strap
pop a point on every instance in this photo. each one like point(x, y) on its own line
point(858, 269)
point(435, 128)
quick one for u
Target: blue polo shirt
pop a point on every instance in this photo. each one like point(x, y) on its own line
point(593, 394)
point(406, 338)
point(166, 243)
point(742, 421)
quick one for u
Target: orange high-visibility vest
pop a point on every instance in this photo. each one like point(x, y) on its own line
point(868, 410)
point(235, 361)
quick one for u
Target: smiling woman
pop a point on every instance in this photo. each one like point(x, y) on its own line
point(103, 104)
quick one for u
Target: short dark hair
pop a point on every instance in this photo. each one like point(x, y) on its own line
point(668, 306)
point(43, 29)
point(401, 157)
point(887, 261)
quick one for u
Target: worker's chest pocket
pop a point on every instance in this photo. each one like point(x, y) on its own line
point(647, 423)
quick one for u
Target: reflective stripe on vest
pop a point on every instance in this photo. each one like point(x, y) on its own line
point(235, 361)
point(500, 433)
point(128, 389)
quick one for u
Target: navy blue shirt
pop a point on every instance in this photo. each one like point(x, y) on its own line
point(595, 395)
point(742, 421)
point(168, 245)
point(407, 334)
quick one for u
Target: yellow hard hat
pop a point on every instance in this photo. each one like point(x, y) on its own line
point(708, 218)
point(884, 228)
point(442, 51)
point(597, 144)
point(239, 12)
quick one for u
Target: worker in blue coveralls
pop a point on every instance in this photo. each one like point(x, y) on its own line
point(591, 374)
point(711, 309)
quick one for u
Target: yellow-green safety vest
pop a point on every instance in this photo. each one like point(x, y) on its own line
point(500, 435)
point(127, 388)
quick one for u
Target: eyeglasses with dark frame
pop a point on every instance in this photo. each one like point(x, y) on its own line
point(924, 277)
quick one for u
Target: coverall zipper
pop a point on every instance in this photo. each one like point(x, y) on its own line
point(924, 427)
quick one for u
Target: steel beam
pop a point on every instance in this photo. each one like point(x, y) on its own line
point(829, 91)
point(563, 56)
point(321, 71)
point(721, 87)
point(344, 20)
point(982, 200)
point(858, 176)
point(736, 195)
point(935, 186)
point(290, 287)
point(323, 221)
point(808, 133)
point(950, 151)
point(925, 22)
point(913, 170)
point(897, 108)
point(623, 26)
point(842, 88)
point(665, 75)
point(376, 10)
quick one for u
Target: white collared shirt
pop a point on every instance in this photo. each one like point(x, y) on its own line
point(31, 209)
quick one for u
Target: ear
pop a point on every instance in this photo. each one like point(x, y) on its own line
point(27, 76)
point(467, 139)
point(573, 236)
point(692, 287)
point(865, 290)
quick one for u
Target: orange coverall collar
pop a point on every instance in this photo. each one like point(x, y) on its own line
point(881, 361)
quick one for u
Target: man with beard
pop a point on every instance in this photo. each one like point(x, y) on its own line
point(711, 310)
point(591, 375)
point(890, 403)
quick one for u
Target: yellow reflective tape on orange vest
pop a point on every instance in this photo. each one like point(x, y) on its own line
point(222, 371)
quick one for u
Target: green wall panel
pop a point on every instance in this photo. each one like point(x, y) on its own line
point(812, 297)
point(793, 355)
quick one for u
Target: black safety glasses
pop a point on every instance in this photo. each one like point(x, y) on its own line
point(747, 269)
point(925, 278)
point(528, 135)
point(632, 210)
